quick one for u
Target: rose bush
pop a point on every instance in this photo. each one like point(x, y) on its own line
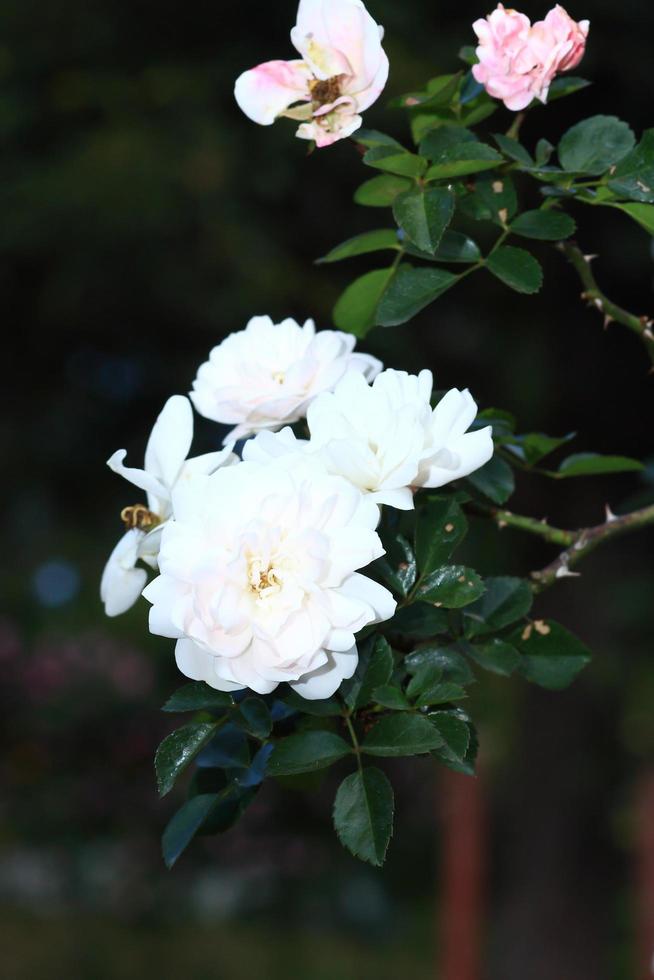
point(313, 586)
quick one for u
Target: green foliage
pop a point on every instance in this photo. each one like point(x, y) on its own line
point(363, 814)
point(380, 192)
point(633, 177)
point(306, 752)
point(594, 145)
point(369, 241)
point(495, 480)
point(423, 215)
point(409, 291)
point(373, 670)
point(451, 586)
point(198, 696)
point(356, 310)
point(551, 656)
point(178, 750)
point(401, 734)
point(593, 464)
point(545, 225)
point(516, 268)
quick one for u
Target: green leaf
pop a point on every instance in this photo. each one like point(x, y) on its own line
point(409, 292)
point(444, 138)
point(306, 752)
point(565, 85)
point(363, 814)
point(423, 215)
point(178, 750)
point(455, 734)
point(356, 308)
point(387, 158)
point(455, 247)
point(495, 480)
point(642, 213)
point(513, 149)
point(634, 175)
point(516, 268)
point(372, 137)
point(506, 600)
point(401, 734)
point(594, 145)
point(214, 812)
point(463, 159)
point(544, 151)
point(198, 697)
point(369, 241)
point(391, 697)
point(497, 197)
point(398, 566)
point(451, 587)
point(496, 655)
point(327, 708)
point(549, 226)
point(420, 621)
point(374, 669)
point(254, 716)
point(426, 687)
point(552, 657)
point(534, 446)
point(440, 92)
point(592, 464)
point(468, 53)
point(440, 527)
point(447, 659)
point(380, 192)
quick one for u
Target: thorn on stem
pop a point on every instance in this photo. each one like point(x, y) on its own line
point(610, 516)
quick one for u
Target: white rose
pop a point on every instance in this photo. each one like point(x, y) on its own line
point(165, 467)
point(259, 580)
point(386, 439)
point(266, 376)
point(343, 71)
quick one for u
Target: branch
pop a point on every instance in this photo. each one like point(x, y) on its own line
point(640, 325)
point(586, 540)
point(506, 518)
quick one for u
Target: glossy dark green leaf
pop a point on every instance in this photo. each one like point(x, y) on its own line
point(594, 145)
point(497, 194)
point(401, 734)
point(633, 177)
point(325, 708)
point(592, 464)
point(178, 750)
point(372, 137)
point(455, 247)
point(409, 292)
point(534, 446)
point(204, 813)
point(420, 621)
point(506, 600)
point(391, 697)
point(306, 752)
point(451, 587)
point(455, 734)
point(463, 159)
point(495, 655)
point(452, 665)
point(468, 53)
point(388, 159)
point(227, 749)
point(544, 151)
point(439, 141)
point(427, 687)
point(427, 675)
point(198, 696)
point(380, 192)
point(514, 150)
point(495, 480)
point(549, 226)
point(363, 814)
point(356, 308)
point(516, 268)
point(502, 423)
point(551, 656)
point(423, 215)
point(374, 669)
point(439, 92)
point(441, 526)
point(254, 716)
point(369, 241)
point(398, 566)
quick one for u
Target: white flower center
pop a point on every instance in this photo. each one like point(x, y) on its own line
point(279, 377)
point(265, 581)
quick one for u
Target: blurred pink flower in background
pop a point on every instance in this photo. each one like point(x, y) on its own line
point(518, 61)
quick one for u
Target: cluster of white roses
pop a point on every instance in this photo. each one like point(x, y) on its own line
point(259, 557)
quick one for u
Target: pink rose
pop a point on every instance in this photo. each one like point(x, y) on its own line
point(518, 61)
point(342, 70)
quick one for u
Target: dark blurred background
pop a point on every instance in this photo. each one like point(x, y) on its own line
point(142, 218)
